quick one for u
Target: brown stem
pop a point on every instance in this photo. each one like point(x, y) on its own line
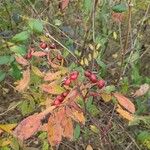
point(123, 51)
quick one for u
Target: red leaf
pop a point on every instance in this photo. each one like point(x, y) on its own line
point(125, 102)
point(64, 4)
point(21, 60)
point(39, 54)
point(28, 127)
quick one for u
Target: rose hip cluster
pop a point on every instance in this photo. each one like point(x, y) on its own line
point(93, 78)
point(72, 77)
point(44, 45)
point(60, 98)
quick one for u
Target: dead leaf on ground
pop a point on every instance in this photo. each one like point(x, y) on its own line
point(39, 54)
point(142, 90)
point(27, 127)
point(7, 127)
point(106, 97)
point(124, 113)
point(21, 60)
point(24, 82)
point(64, 4)
point(89, 147)
point(125, 102)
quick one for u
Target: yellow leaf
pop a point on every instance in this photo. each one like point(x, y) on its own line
point(115, 35)
point(125, 102)
point(94, 129)
point(98, 46)
point(124, 113)
point(78, 116)
point(52, 88)
point(7, 127)
point(24, 82)
point(89, 147)
point(86, 62)
point(37, 72)
point(106, 97)
point(89, 57)
point(91, 46)
point(82, 62)
point(95, 54)
point(53, 76)
point(4, 142)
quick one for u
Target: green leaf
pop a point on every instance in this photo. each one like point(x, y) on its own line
point(21, 37)
point(119, 8)
point(144, 138)
point(110, 88)
point(2, 75)
point(27, 107)
point(6, 59)
point(18, 49)
point(35, 25)
point(16, 72)
point(77, 132)
point(87, 5)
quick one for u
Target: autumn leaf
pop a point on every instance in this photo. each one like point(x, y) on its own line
point(5, 142)
point(53, 76)
point(64, 4)
point(106, 97)
point(39, 54)
point(37, 72)
point(27, 127)
point(124, 113)
point(125, 102)
point(24, 82)
point(54, 130)
point(142, 90)
point(22, 61)
point(7, 127)
point(52, 88)
point(76, 115)
point(89, 147)
point(67, 126)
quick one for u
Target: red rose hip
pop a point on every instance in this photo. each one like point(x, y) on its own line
point(67, 82)
point(57, 102)
point(87, 73)
point(93, 78)
point(43, 45)
point(74, 75)
point(101, 84)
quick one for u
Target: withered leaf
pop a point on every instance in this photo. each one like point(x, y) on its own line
point(39, 54)
point(21, 60)
point(142, 90)
point(64, 4)
point(52, 88)
point(24, 82)
point(55, 131)
point(27, 127)
point(124, 113)
point(125, 102)
point(76, 115)
point(67, 126)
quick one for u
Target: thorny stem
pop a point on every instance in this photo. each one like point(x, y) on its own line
point(123, 52)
